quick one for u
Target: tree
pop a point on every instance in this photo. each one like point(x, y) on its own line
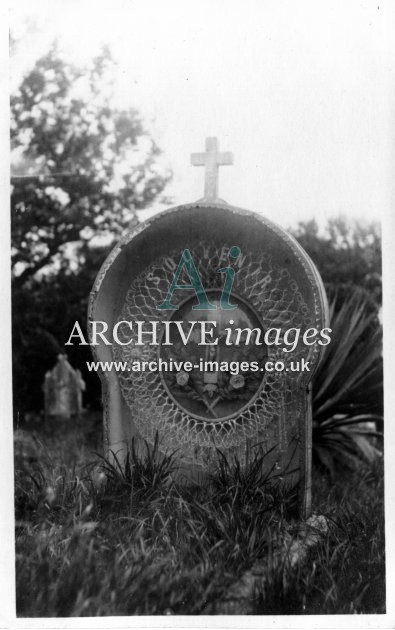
point(44, 313)
point(348, 257)
point(97, 165)
point(348, 386)
point(92, 166)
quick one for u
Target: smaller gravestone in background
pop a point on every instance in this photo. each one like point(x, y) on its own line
point(63, 387)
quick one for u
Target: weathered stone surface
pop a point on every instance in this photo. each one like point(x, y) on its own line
point(275, 286)
point(63, 387)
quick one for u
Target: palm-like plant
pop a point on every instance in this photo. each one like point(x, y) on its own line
point(348, 388)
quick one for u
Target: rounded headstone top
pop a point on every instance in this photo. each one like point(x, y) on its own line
point(274, 285)
point(222, 225)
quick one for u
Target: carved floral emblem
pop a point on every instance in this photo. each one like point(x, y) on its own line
point(216, 387)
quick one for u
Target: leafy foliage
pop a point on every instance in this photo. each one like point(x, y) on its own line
point(96, 165)
point(87, 167)
point(44, 313)
point(348, 387)
point(347, 255)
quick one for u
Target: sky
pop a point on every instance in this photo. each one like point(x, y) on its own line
point(299, 92)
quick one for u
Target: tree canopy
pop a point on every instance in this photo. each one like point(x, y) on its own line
point(82, 168)
point(91, 165)
point(348, 256)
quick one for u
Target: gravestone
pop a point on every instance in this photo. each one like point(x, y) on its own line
point(253, 277)
point(63, 387)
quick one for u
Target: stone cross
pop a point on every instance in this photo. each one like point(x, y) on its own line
point(211, 159)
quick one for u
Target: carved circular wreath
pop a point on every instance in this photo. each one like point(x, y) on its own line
point(245, 407)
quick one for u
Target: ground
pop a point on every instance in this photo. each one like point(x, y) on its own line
point(94, 541)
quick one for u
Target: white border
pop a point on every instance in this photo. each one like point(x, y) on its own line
point(7, 575)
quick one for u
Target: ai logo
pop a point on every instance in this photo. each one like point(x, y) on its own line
point(186, 262)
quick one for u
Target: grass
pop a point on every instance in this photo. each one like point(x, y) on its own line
point(345, 573)
point(92, 540)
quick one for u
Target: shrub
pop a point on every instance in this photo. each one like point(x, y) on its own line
point(348, 388)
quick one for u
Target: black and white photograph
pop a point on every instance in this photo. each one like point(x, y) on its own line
point(198, 211)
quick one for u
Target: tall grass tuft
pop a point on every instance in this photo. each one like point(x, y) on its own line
point(345, 573)
point(138, 543)
point(89, 549)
